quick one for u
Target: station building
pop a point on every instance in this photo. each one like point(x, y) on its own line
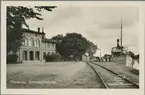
point(35, 46)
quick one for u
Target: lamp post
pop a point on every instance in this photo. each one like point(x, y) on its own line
point(100, 54)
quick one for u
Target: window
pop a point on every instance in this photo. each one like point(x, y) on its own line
point(35, 43)
point(44, 53)
point(52, 53)
point(52, 45)
point(48, 53)
point(38, 43)
point(31, 42)
point(45, 44)
point(25, 42)
point(48, 45)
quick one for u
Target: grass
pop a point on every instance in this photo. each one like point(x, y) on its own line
point(129, 73)
point(51, 75)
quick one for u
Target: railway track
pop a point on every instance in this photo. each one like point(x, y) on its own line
point(97, 74)
point(110, 79)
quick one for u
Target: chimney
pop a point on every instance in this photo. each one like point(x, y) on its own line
point(42, 30)
point(117, 42)
point(43, 35)
point(38, 29)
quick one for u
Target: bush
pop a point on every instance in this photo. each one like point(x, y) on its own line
point(51, 58)
point(12, 58)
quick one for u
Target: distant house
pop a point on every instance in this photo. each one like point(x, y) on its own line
point(107, 57)
point(97, 59)
point(93, 58)
point(85, 57)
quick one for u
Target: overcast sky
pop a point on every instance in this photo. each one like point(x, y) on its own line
point(101, 25)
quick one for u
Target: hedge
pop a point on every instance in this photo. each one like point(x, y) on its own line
point(52, 58)
point(12, 58)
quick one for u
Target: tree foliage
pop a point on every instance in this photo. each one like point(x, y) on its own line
point(58, 39)
point(133, 56)
point(16, 17)
point(73, 46)
point(92, 49)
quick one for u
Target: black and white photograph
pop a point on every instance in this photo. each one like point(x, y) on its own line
point(72, 46)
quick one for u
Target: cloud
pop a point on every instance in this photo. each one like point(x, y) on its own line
point(111, 17)
point(98, 24)
point(62, 14)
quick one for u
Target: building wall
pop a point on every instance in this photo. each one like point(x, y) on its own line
point(34, 48)
point(136, 64)
point(129, 61)
point(133, 63)
point(119, 59)
point(85, 58)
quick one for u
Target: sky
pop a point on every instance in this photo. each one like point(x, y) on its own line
point(101, 25)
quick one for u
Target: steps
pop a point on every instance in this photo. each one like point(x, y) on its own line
point(33, 62)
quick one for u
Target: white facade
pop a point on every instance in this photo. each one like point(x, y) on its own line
point(85, 58)
point(132, 62)
point(35, 46)
point(136, 64)
point(129, 61)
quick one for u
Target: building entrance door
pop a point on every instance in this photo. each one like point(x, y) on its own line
point(37, 55)
point(31, 53)
point(24, 55)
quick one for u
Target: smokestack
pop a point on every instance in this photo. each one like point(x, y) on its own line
point(43, 35)
point(117, 42)
point(38, 29)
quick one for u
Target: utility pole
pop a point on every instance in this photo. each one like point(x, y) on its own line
point(100, 53)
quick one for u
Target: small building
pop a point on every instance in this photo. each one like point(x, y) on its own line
point(85, 57)
point(107, 58)
point(98, 59)
point(35, 46)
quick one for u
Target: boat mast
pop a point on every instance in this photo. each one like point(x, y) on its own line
point(121, 32)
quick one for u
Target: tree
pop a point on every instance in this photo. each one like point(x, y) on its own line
point(73, 46)
point(16, 17)
point(92, 49)
point(131, 54)
point(58, 39)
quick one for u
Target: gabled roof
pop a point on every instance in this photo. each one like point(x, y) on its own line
point(107, 55)
point(31, 31)
point(45, 40)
